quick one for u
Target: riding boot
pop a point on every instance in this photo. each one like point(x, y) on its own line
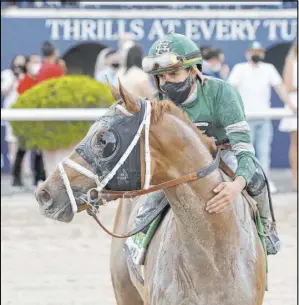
point(17, 168)
point(263, 205)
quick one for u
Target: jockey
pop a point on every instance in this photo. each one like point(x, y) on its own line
point(175, 62)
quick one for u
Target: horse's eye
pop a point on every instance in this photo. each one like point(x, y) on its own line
point(109, 143)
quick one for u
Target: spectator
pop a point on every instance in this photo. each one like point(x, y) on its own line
point(125, 42)
point(18, 66)
point(33, 64)
point(132, 76)
point(8, 91)
point(213, 63)
point(253, 79)
point(290, 79)
point(224, 72)
point(205, 50)
point(101, 62)
point(50, 67)
point(9, 83)
point(111, 65)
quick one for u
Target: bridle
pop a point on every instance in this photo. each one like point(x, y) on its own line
point(92, 205)
point(145, 124)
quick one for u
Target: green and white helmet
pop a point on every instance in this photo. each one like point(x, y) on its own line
point(170, 53)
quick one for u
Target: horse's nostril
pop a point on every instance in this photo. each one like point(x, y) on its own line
point(44, 197)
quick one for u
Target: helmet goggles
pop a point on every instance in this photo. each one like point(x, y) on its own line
point(168, 61)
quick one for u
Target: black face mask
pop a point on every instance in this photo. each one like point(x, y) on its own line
point(115, 66)
point(18, 69)
point(178, 92)
point(255, 58)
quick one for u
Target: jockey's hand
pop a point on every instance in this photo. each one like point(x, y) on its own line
point(226, 192)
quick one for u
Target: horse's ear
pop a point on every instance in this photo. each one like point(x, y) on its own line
point(129, 100)
point(114, 91)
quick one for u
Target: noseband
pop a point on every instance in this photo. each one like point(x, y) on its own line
point(107, 195)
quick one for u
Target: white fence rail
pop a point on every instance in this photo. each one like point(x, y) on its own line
point(92, 114)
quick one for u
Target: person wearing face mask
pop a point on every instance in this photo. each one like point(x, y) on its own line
point(253, 80)
point(132, 76)
point(224, 71)
point(175, 62)
point(101, 62)
point(211, 63)
point(9, 92)
point(32, 66)
point(9, 83)
point(109, 67)
point(18, 66)
point(33, 63)
point(125, 42)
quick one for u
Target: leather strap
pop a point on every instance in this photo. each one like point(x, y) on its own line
point(92, 211)
point(113, 195)
point(146, 222)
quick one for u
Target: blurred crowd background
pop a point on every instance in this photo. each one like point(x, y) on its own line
point(42, 55)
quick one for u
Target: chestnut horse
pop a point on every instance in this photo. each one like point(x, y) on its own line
point(194, 257)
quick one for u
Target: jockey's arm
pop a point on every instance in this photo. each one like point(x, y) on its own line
point(230, 112)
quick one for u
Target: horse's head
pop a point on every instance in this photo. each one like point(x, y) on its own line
point(136, 143)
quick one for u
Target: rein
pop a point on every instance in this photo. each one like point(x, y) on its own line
point(108, 195)
point(113, 195)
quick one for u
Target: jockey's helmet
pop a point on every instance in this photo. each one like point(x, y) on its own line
point(172, 52)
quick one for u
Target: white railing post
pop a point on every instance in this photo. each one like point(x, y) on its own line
point(92, 114)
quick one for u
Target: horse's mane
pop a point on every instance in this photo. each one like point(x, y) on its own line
point(159, 108)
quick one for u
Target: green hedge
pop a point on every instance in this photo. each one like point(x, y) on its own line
point(71, 91)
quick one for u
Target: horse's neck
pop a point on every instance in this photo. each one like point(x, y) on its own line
point(202, 238)
point(197, 228)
